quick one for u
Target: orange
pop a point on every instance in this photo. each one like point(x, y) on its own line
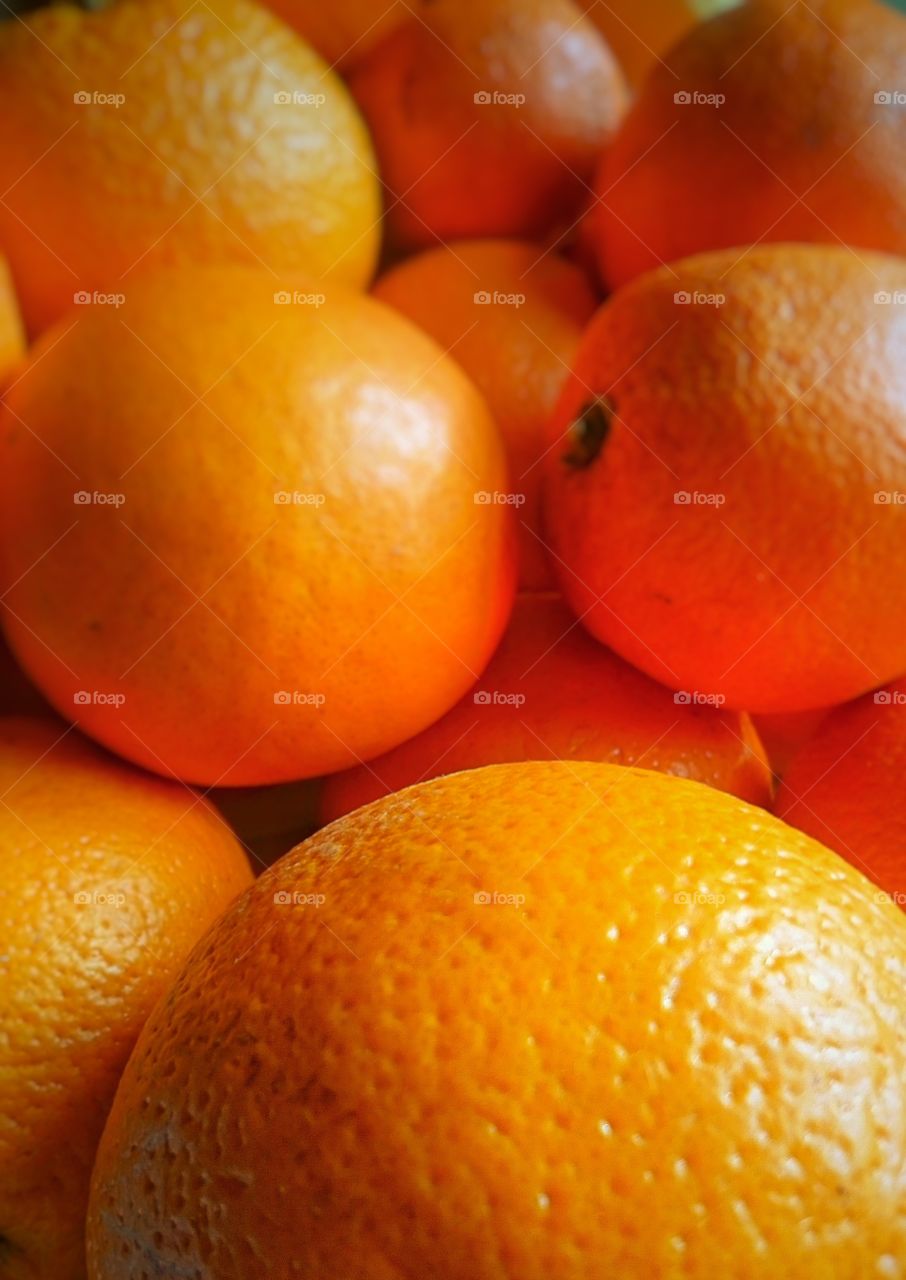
point(239, 532)
point(775, 121)
point(156, 132)
point(641, 34)
point(512, 314)
point(725, 492)
point(12, 337)
point(785, 732)
point(346, 30)
point(109, 877)
point(551, 692)
point(488, 116)
point(535, 1020)
point(845, 787)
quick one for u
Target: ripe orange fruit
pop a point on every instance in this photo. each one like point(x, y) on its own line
point(109, 877)
point(488, 116)
point(347, 30)
point(12, 337)
point(549, 1019)
point(845, 787)
point(725, 492)
point(240, 536)
point(551, 692)
point(775, 121)
point(158, 132)
point(511, 315)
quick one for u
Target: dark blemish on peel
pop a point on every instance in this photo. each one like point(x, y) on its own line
point(589, 433)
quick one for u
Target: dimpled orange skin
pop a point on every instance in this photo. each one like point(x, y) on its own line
point(12, 336)
point(845, 787)
point(512, 315)
point(798, 150)
point(671, 1043)
point(250, 640)
point(346, 30)
point(552, 692)
point(109, 878)
point(197, 163)
point(457, 167)
point(779, 415)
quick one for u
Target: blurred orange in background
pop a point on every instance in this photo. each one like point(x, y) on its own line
point(511, 313)
point(488, 117)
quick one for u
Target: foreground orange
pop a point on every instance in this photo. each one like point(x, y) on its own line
point(158, 131)
point(12, 338)
point(488, 117)
point(539, 1020)
point(512, 314)
point(725, 494)
point(845, 787)
point(552, 692)
point(777, 121)
point(240, 533)
point(109, 877)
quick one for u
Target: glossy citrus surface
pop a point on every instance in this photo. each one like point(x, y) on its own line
point(109, 877)
point(156, 132)
point(552, 692)
point(240, 529)
point(12, 337)
point(511, 313)
point(534, 1020)
point(725, 494)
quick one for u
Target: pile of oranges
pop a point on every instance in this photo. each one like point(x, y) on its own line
point(468, 437)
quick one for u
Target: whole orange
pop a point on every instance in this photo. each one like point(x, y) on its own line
point(346, 30)
point(776, 121)
point(537, 1020)
point(12, 336)
point(488, 116)
point(109, 877)
point(724, 492)
point(157, 131)
point(511, 314)
point(845, 787)
point(239, 538)
point(552, 692)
